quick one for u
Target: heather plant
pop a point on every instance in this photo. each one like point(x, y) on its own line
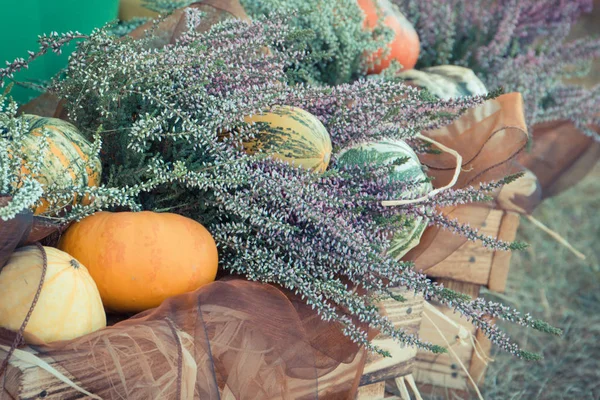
point(339, 43)
point(122, 28)
point(520, 45)
point(170, 122)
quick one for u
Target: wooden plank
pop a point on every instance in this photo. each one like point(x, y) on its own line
point(444, 392)
point(463, 287)
point(501, 261)
point(407, 316)
point(28, 382)
point(444, 370)
point(440, 379)
point(374, 391)
point(471, 262)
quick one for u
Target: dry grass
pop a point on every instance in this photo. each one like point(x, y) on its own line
point(551, 283)
point(548, 281)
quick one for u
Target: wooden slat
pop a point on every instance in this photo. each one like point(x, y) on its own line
point(501, 261)
point(407, 316)
point(463, 287)
point(374, 391)
point(478, 366)
point(444, 393)
point(471, 262)
point(443, 371)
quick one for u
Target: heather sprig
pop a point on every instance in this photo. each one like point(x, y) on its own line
point(472, 194)
point(53, 42)
point(123, 28)
point(518, 44)
point(169, 122)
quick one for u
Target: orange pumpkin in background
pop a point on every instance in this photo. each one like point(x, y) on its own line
point(404, 48)
point(139, 259)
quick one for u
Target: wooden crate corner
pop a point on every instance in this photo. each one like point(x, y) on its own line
point(380, 370)
point(472, 263)
point(443, 374)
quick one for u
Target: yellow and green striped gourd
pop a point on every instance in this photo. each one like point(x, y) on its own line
point(446, 81)
point(66, 160)
point(292, 135)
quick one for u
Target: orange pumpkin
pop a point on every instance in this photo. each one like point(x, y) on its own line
point(140, 259)
point(404, 48)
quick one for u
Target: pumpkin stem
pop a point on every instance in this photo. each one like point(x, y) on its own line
point(457, 169)
point(75, 264)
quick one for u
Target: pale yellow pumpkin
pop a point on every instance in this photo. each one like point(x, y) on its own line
point(69, 305)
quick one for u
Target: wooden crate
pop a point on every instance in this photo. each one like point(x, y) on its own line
point(442, 374)
point(472, 263)
point(466, 270)
point(380, 370)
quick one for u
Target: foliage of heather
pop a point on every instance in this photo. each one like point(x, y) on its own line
point(340, 41)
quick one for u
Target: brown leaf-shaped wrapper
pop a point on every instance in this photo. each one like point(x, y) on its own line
point(230, 339)
point(45, 105)
point(23, 230)
point(521, 196)
point(488, 138)
point(561, 156)
point(172, 27)
point(13, 232)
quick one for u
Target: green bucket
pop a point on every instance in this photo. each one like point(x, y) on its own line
point(24, 20)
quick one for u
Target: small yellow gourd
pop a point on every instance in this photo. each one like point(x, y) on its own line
point(69, 304)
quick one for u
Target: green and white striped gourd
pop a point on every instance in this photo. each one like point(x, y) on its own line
point(446, 81)
point(386, 152)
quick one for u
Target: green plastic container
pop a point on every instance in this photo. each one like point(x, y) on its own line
point(24, 20)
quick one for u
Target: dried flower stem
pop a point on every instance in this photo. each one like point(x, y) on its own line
point(556, 237)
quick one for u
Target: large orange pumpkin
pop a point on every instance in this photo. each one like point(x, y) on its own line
point(69, 305)
point(140, 259)
point(404, 48)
